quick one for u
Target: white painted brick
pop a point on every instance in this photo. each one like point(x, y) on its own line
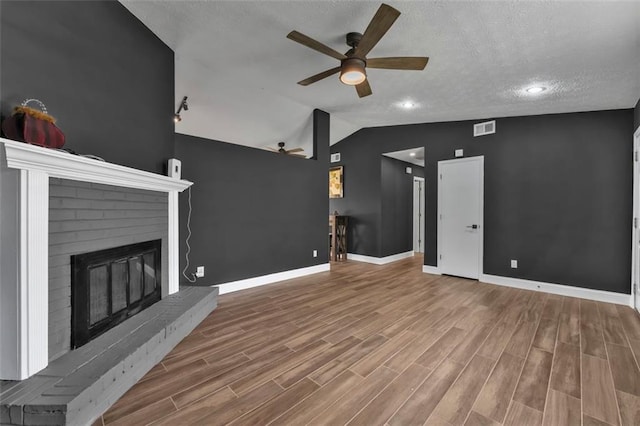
point(61, 214)
point(61, 191)
point(89, 217)
point(89, 214)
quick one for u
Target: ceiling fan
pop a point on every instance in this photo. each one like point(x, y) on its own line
point(354, 62)
point(291, 151)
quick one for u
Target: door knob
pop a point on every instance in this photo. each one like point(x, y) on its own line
point(473, 226)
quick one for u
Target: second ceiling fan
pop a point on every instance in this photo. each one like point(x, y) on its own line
point(354, 62)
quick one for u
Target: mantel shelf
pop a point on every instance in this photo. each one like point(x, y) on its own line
point(59, 164)
point(25, 172)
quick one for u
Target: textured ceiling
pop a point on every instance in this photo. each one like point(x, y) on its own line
point(405, 155)
point(239, 70)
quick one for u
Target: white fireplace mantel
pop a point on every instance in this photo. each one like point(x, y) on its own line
point(61, 164)
point(24, 241)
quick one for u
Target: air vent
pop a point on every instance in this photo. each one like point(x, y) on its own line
point(335, 158)
point(486, 128)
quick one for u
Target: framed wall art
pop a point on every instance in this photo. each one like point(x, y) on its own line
point(336, 182)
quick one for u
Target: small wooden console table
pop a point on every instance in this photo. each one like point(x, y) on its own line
point(338, 237)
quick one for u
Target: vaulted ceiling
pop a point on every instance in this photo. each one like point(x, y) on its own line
point(233, 60)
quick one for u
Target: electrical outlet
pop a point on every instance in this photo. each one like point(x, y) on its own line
point(315, 253)
point(514, 264)
point(200, 271)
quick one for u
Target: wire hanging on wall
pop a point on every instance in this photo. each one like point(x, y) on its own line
point(193, 278)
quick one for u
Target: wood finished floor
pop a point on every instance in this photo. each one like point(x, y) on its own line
point(390, 345)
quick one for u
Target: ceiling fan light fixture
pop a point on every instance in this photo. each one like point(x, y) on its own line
point(352, 71)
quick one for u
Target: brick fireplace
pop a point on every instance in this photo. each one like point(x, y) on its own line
point(87, 217)
point(55, 205)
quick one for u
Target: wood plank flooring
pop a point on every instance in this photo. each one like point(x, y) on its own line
point(390, 345)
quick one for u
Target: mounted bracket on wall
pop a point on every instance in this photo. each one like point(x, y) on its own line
point(183, 106)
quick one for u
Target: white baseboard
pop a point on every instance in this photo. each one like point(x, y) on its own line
point(271, 278)
point(379, 260)
point(428, 269)
point(563, 290)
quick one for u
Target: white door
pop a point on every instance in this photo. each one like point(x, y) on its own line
point(418, 215)
point(635, 231)
point(460, 224)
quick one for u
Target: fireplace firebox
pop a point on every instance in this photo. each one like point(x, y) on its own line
point(109, 286)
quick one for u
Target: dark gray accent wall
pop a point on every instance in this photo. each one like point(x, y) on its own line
point(254, 212)
point(364, 198)
point(636, 115)
point(557, 191)
point(396, 206)
point(86, 217)
point(106, 77)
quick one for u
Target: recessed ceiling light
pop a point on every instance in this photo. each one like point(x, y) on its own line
point(407, 105)
point(536, 89)
point(413, 154)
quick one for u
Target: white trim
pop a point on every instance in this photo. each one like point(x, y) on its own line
point(34, 271)
point(563, 290)
point(173, 244)
point(379, 260)
point(270, 279)
point(24, 198)
point(433, 270)
point(418, 233)
point(635, 233)
point(63, 165)
point(481, 213)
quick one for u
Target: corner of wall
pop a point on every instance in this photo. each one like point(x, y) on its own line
point(321, 123)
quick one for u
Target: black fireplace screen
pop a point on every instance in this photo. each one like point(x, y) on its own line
point(109, 286)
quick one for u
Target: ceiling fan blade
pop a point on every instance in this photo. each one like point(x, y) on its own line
point(363, 89)
point(379, 25)
point(289, 151)
point(314, 44)
point(320, 76)
point(272, 149)
point(298, 155)
point(399, 63)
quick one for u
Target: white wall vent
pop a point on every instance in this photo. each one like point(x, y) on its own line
point(486, 128)
point(335, 158)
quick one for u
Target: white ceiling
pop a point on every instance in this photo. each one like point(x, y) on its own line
point(239, 70)
point(405, 155)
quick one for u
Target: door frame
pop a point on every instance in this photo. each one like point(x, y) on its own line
point(420, 202)
point(635, 218)
point(479, 158)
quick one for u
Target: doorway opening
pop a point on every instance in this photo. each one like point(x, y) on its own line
point(402, 203)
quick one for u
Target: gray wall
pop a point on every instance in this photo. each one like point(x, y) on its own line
point(254, 212)
point(106, 77)
point(371, 183)
point(557, 192)
point(361, 196)
point(396, 205)
point(636, 115)
point(85, 217)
